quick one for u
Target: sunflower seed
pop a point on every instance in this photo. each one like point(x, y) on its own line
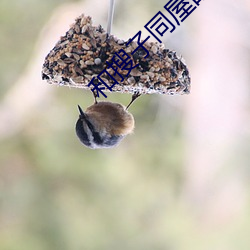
point(85, 46)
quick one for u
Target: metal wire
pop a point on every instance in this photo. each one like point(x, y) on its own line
point(110, 16)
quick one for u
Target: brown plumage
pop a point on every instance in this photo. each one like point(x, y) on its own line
point(111, 117)
point(104, 124)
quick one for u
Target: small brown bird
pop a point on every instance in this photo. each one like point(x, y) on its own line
point(104, 124)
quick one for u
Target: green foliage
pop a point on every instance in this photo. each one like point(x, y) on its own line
point(57, 194)
point(20, 24)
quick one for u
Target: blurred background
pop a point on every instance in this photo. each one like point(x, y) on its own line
point(180, 182)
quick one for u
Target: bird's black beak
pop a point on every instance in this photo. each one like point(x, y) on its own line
point(82, 115)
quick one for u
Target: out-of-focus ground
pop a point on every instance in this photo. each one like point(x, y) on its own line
point(180, 182)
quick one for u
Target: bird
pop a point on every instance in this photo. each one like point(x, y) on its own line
point(104, 124)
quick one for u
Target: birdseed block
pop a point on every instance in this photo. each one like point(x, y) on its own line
point(84, 51)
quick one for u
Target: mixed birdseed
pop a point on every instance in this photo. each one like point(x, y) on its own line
point(82, 53)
